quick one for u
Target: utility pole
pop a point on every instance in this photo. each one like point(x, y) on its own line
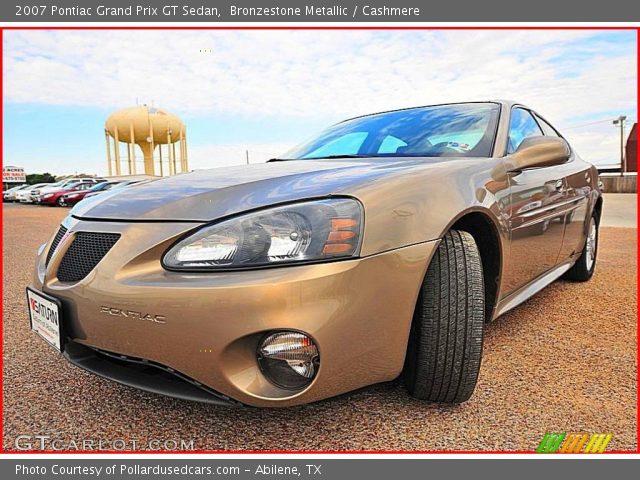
point(620, 121)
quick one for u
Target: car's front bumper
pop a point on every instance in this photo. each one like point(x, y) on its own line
point(358, 312)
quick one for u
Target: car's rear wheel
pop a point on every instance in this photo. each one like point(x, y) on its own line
point(445, 345)
point(584, 267)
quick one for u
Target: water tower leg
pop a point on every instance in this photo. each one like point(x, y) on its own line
point(132, 151)
point(148, 158)
point(108, 142)
point(153, 147)
point(129, 157)
point(186, 156)
point(116, 145)
point(175, 165)
point(170, 154)
point(184, 167)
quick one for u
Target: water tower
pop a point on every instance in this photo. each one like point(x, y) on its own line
point(148, 128)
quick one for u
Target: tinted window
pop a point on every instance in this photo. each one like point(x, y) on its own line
point(546, 128)
point(391, 144)
point(347, 144)
point(466, 129)
point(522, 125)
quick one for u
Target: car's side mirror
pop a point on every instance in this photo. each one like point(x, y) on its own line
point(538, 151)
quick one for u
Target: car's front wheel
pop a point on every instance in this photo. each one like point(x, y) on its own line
point(445, 345)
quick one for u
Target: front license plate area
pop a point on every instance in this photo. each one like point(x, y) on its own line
point(45, 317)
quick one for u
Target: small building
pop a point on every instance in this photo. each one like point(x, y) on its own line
point(631, 150)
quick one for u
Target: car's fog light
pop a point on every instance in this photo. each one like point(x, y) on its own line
point(288, 359)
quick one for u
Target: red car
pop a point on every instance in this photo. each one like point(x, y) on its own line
point(57, 198)
point(71, 197)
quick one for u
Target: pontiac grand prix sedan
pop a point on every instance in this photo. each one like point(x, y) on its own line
point(380, 248)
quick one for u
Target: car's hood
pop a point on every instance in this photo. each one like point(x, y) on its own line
point(209, 194)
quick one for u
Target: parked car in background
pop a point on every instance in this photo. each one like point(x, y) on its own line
point(62, 185)
point(380, 247)
point(25, 195)
point(56, 198)
point(73, 197)
point(10, 194)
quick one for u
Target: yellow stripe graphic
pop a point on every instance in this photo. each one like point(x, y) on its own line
point(594, 437)
point(596, 445)
point(606, 441)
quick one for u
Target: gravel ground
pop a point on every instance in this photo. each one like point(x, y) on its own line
point(563, 361)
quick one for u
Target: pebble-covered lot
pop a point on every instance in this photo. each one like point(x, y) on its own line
point(565, 361)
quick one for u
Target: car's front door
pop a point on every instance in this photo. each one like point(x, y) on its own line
point(536, 195)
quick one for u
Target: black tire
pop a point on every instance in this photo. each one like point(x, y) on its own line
point(542, 227)
point(581, 271)
point(445, 345)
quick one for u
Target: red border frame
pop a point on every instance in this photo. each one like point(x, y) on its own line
point(305, 452)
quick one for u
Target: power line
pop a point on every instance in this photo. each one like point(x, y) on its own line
point(608, 120)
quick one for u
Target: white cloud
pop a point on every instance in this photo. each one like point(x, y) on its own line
point(211, 156)
point(566, 75)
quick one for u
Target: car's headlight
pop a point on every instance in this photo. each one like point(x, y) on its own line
point(301, 232)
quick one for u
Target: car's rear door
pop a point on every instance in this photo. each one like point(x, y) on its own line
point(577, 176)
point(536, 195)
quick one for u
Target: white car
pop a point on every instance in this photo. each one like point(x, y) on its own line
point(10, 195)
point(24, 196)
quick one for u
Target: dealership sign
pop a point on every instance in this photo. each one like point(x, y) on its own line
point(13, 175)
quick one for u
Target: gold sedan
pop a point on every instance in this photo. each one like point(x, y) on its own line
point(379, 248)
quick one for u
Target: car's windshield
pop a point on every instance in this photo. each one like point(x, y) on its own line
point(466, 129)
point(100, 186)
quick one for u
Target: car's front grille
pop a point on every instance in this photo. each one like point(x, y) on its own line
point(84, 253)
point(54, 244)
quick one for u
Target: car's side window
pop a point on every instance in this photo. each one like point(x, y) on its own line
point(546, 128)
point(522, 125)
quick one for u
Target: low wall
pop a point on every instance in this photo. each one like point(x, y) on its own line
point(618, 184)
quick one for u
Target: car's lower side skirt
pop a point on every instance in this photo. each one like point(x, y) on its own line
point(529, 290)
point(142, 374)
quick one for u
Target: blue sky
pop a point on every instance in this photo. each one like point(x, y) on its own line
point(267, 91)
